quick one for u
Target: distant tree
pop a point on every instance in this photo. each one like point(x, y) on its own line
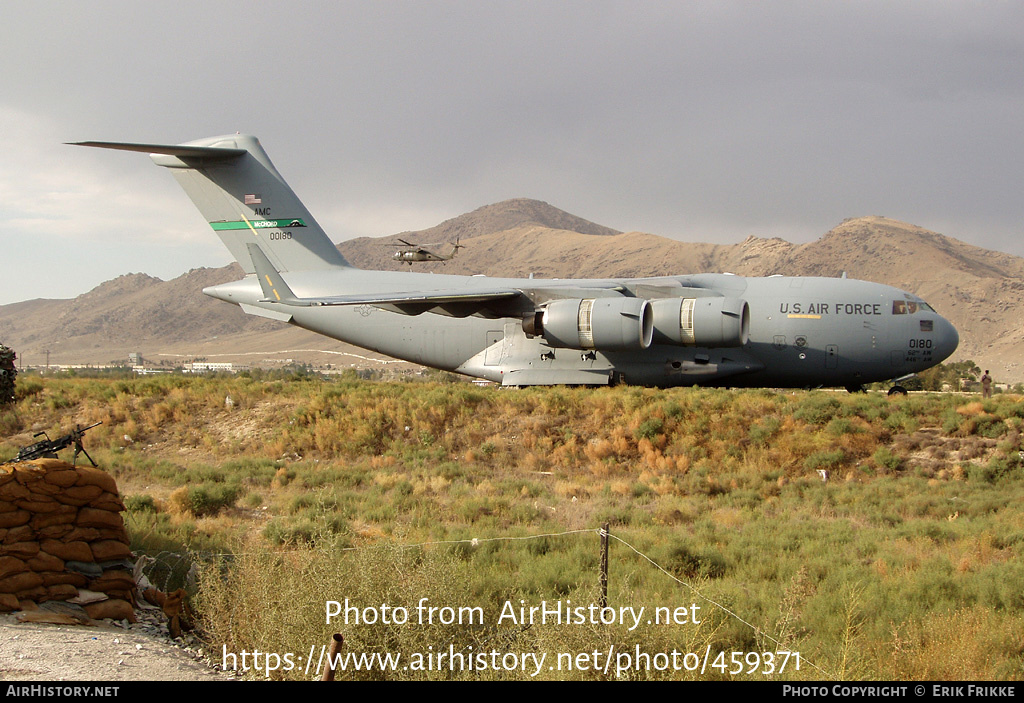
point(957, 375)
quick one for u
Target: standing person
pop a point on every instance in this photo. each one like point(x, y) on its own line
point(986, 385)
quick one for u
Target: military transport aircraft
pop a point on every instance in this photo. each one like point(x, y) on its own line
point(707, 329)
point(409, 252)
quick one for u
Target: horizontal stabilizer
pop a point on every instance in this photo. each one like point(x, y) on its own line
point(201, 153)
point(264, 312)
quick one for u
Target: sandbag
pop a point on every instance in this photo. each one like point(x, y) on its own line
point(113, 608)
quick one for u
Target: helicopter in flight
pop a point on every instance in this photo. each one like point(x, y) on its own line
point(409, 252)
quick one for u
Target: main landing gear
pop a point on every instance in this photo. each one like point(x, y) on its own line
point(896, 389)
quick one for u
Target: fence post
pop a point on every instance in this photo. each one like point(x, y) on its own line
point(336, 642)
point(604, 566)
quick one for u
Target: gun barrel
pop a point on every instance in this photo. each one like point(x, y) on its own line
point(50, 447)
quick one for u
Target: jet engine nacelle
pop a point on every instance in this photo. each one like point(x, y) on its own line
point(701, 322)
point(606, 324)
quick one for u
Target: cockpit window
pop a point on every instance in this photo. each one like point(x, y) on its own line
point(909, 307)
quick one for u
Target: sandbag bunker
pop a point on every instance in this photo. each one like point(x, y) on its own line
point(62, 540)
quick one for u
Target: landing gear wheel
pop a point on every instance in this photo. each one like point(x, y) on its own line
point(855, 389)
point(897, 390)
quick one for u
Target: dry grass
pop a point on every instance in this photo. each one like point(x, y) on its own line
point(916, 526)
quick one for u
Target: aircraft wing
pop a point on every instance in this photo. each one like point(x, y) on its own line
point(456, 302)
point(276, 290)
point(437, 297)
point(538, 295)
point(451, 303)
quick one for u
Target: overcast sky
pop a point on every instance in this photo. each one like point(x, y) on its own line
point(700, 121)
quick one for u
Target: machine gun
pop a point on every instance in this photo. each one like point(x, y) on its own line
point(48, 448)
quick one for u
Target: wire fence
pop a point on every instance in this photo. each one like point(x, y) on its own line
point(167, 569)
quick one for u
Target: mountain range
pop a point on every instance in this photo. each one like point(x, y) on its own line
point(979, 290)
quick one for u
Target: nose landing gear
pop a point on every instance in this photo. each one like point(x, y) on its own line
point(897, 389)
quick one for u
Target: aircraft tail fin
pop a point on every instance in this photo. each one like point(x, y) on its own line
point(455, 248)
point(245, 200)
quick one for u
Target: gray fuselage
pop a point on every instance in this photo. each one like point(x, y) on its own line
point(803, 332)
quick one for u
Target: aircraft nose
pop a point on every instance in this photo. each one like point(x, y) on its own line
point(946, 339)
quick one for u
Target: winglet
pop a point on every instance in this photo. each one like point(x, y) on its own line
point(275, 290)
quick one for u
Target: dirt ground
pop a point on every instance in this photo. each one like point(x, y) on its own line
point(103, 652)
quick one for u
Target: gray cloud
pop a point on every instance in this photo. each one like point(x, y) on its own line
point(700, 121)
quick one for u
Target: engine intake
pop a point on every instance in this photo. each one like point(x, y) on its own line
point(612, 324)
point(701, 322)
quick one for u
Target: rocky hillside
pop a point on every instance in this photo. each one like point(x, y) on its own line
point(977, 289)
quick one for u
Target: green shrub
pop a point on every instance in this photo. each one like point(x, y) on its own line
point(818, 408)
point(885, 459)
point(649, 428)
point(824, 460)
point(205, 499)
point(762, 431)
point(695, 564)
point(140, 504)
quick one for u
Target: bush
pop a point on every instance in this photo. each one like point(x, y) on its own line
point(649, 429)
point(206, 499)
point(884, 458)
point(693, 564)
point(140, 504)
point(10, 422)
point(824, 460)
point(818, 409)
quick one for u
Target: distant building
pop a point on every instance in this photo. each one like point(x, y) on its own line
point(148, 370)
point(135, 358)
point(214, 366)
